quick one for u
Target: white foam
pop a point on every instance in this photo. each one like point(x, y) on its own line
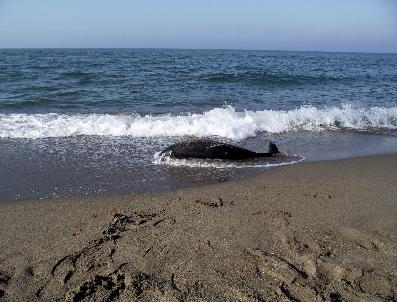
point(223, 122)
point(162, 159)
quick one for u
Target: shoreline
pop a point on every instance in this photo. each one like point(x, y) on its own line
point(313, 231)
point(192, 186)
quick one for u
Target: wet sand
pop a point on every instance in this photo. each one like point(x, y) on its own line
point(319, 231)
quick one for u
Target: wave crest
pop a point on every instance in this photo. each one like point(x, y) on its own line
point(223, 122)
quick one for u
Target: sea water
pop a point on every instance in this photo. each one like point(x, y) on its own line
point(87, 121)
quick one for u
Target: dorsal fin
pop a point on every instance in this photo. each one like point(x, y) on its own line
point(273, 148)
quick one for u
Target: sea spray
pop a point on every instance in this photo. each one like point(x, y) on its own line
point(222, 122)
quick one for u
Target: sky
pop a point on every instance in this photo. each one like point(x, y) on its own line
point(325, 25)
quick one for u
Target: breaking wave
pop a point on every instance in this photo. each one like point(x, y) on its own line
point(223, 122)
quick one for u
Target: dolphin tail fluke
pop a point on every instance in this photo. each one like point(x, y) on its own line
point(273, 148)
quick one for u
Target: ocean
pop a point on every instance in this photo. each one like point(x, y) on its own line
point(92, 121)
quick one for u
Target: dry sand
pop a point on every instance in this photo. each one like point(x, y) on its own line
point(320, 231)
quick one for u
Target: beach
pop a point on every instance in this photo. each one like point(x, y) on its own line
point(315, 231)
point(210, 151)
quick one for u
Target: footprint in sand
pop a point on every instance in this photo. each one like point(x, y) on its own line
point(382, 286)
point(94, 262)
point(293, 282)
point(361, 239)
point(277, 267)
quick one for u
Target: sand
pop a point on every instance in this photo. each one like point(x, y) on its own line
point(319, 231)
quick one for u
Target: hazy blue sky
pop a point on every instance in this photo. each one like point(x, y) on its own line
point(341, 25)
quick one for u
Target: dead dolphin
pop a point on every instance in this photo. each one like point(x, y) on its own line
point(211, 149)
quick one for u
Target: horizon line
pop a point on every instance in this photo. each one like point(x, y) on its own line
point(188, 48)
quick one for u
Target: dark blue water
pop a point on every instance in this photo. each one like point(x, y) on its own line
point(160, 81)
point(84, 121)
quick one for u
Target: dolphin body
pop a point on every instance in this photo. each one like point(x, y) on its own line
point(210, 149)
